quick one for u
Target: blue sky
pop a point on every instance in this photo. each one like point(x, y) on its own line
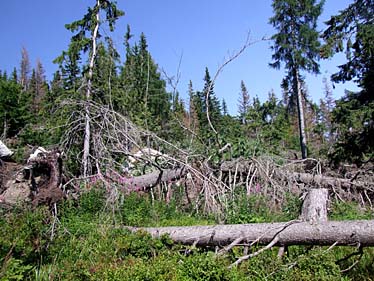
point(197, 33)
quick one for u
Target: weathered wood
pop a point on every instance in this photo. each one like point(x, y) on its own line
point(349, 233)
point(321, 181)
point(147, 181)
point(315, 205)
point(328, 182)
point(39, 181)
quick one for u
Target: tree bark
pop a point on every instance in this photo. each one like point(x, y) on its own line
point(346, 233)
point(147, 181)
point(87, 131)
point(300, 112)
point(315, 206)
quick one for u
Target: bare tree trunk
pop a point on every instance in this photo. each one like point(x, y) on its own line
point(87, 131)
point(5, 129)
point(347, 233)
point(147, 181)
point(300, 111)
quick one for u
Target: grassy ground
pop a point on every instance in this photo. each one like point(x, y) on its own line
point(87, 242)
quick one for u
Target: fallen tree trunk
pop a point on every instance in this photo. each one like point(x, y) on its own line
point(328, 182)
point(349, 233)
point(147, 181)
point(244, 166)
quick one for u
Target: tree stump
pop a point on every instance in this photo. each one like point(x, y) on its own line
point(314, 208)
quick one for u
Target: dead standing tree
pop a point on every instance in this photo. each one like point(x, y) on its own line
point(81, 43)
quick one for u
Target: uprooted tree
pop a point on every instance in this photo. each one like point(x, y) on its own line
point(120, 170)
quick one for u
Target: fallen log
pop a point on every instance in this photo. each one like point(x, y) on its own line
point(321, 181)
point(347, 233)
point(328, 182)
point(147, 181)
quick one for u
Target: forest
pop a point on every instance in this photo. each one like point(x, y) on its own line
point(107, 173)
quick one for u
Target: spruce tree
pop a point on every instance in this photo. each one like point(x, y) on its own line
point(352, 31)
point(144, 97)
point(14, 107)
point(244, 102)
point(206, 103)
point(296, 45)
point(225, 111)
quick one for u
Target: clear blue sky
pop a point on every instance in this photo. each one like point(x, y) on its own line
point(199, 32)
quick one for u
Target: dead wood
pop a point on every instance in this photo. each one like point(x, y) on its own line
point(347, 233)
point(147, 181)
point(38, 181)
point(315, 206)
point(329, 182)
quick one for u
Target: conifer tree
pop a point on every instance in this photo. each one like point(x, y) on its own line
point(105, 77)
point(225, 111)
point(38, 87)
point(144, 97)
point(352, 32)
point(13, 107)
point(244, 102)
point(192, 113)
point(296, 45)
point(206, 102)
point(85, 39)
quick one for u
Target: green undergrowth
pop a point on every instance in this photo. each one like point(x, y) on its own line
point(88, 242)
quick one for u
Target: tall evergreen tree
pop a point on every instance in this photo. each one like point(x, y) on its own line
point(296, 45)
point(244, 102)
point(192, 112)
point(38, 86)
point(144, 97)
point(13, 107)
point(352, 31)
point(105, 77)
point(225, 111)
point(206, 102)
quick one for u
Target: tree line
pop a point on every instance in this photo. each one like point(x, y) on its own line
point(34, 111)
